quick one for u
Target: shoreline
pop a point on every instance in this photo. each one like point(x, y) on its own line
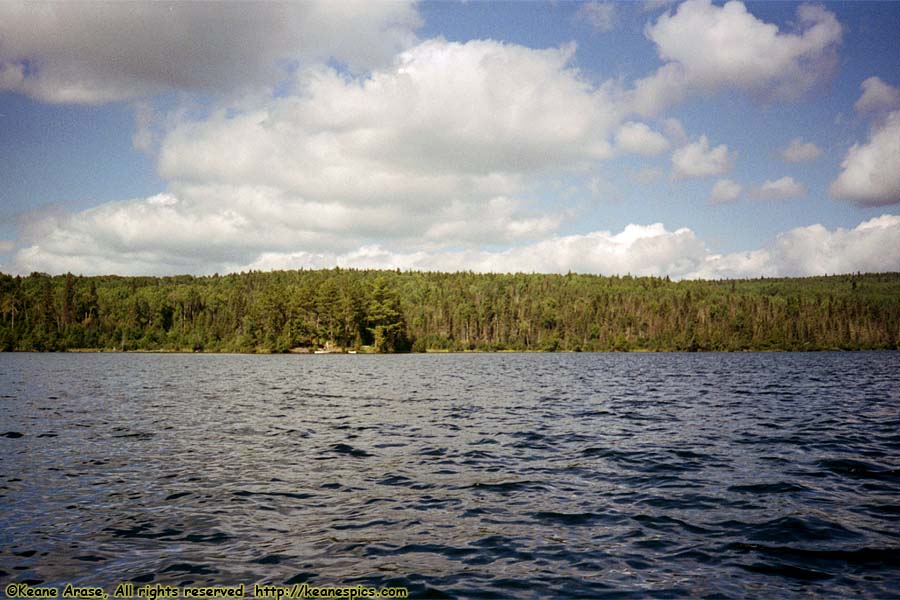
point(365, 353)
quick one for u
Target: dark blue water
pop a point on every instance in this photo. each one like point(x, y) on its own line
point(471, 476)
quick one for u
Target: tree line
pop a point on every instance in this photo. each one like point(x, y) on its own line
point(393, 311)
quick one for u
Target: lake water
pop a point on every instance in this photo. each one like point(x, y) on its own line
point(482, 475)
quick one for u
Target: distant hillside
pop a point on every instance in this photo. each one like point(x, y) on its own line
point(388, 311)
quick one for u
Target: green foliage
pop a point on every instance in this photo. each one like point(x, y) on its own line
point(384, 318)
point(390, 311)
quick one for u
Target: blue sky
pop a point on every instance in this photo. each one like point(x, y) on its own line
point(695, 139)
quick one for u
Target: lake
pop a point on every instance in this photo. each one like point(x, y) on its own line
point(457, 476)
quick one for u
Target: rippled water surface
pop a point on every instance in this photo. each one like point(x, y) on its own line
point(521, 476)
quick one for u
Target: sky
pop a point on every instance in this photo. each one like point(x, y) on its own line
point(690, 139)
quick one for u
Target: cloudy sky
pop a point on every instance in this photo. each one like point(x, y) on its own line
point(690, 139)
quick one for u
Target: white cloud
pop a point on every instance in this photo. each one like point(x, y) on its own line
point(500, 220)
point(675, 131)
point(402, 133)
point(399, 146)
point(6, 246)
point(877, 95)
point(638, 138)
point(602, 189)
point(870, 173)
point(198, 230)
point(336, 162)
point(800, 151)
point(165, 234)
point(780, 189)
point(602, 16)
point(384, 165)
point(872, 246)
point(699, 160)
point(209, 228)
point(725, 191)
point(708, 48)
point(145, 136)
point(91, 53)
point(638, 249)
point(647, 175)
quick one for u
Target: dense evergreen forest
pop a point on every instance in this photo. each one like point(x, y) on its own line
point(388, 311)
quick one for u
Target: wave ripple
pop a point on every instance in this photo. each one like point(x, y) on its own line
point(457, 476)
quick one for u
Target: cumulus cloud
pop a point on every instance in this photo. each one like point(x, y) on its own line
point(525, 110)
point(214, 228)
point(91, 242)
point(780, 189)
point(383, 165)
point(402, 132)
point(500, 220)
point(145, 134)
point(870, 172)
point(638, 138)
point(91, 53)
point(337, 161)
point(877, 96)
point(707, 48)
point(165, 235)
point(160, 234)
point(699, 160)
point(872, 246)
point(724, 191)
point(197, 230)
point(675, 130)
point(800, 151)
point(602, 16)
point(647, 175)
point(640, 250)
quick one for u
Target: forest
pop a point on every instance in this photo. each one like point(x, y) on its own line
point(394, 311)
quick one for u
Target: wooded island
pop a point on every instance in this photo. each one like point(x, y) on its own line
point(392, 311)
